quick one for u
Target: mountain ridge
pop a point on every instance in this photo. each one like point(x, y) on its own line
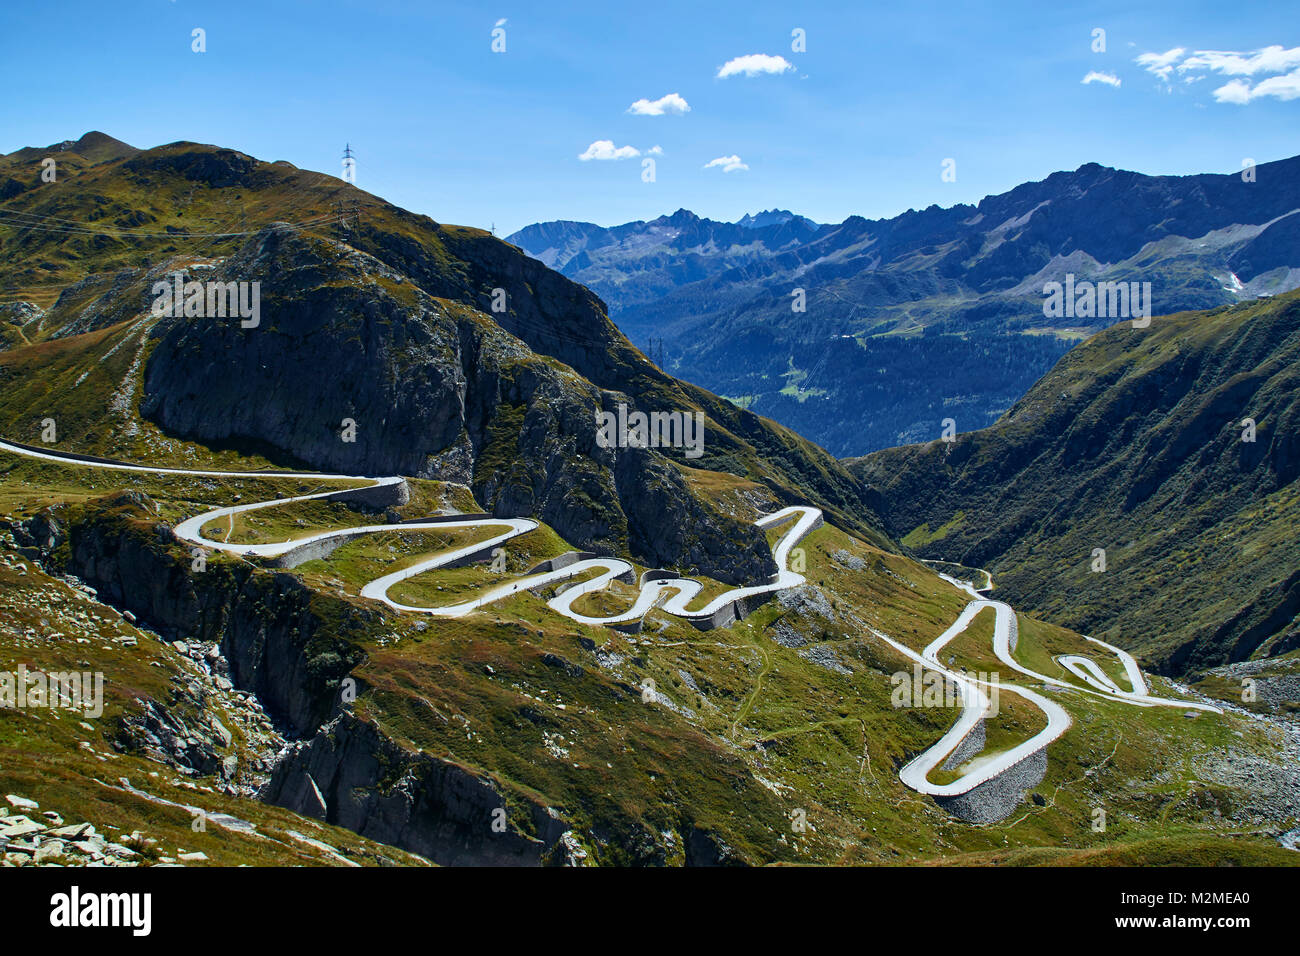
point(951, 275)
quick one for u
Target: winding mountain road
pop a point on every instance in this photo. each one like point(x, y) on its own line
point(674, 595)
point(976, 703)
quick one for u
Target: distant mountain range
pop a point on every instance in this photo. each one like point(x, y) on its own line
point(929, 315)
point(640, 262)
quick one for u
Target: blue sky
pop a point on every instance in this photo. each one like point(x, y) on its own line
point(860, 123)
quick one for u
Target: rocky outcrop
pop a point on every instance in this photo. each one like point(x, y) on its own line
point(101, 300)
point(353, 369)
point(284, 642)
point(351, 775)
point(20, 313)
point(668, 525)
point(163, 736)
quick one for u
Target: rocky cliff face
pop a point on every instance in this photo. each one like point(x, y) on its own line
point(351, 775)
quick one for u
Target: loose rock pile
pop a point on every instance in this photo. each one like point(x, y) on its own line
point(32, 837)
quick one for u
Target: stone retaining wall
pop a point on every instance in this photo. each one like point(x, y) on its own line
point(969, 747)
point(997, 799)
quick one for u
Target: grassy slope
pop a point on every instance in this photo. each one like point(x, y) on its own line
point(71, 766)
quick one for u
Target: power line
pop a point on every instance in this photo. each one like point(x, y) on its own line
point(347, 217)
point(33, 223)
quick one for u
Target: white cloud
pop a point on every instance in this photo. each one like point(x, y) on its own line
point(729, 164)
point(672, 103)
point(1280, 61)
point(655, 150)
point(1271, 59)
point(1161, 64)
point(1110, 79)
point(753, 65)
point(1238, 91)
point(605, 149)
point(1285, 87)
